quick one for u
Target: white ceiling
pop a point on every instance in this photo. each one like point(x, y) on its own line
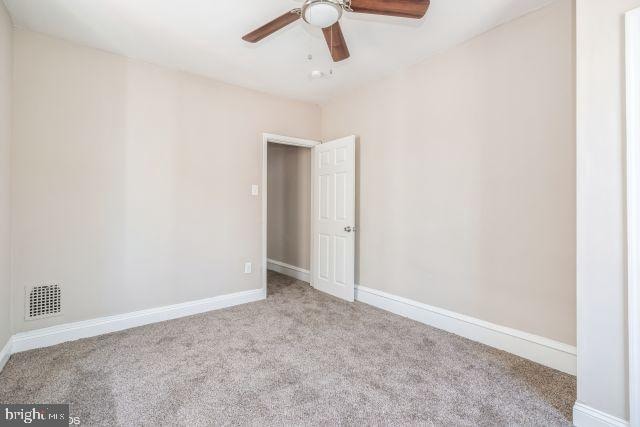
point(204, 37)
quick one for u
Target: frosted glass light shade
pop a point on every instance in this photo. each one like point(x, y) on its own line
point(321, 13)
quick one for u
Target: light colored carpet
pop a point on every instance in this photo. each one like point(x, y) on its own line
point(300, 357)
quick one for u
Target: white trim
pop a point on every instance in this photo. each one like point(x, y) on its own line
point(286, 140)
point(5, 353)
point(288, 270)
point(586, 416)
point(632, 30)
point(539, 349)
point(89, 328)
point(289, 140)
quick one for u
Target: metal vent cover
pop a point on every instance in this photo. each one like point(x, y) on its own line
point(43, 301)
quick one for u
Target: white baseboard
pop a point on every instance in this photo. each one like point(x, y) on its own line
point(89, 328)
point(586, 416)
point(542, 350)
point(5, 353)
point(289, 270)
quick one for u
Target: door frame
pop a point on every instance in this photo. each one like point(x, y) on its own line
point(284, 140)
point(632, 62)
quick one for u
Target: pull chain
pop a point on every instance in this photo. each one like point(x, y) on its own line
point(331, 37)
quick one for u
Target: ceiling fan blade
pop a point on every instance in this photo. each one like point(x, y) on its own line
point(404, 8)
point(273, 26)
point(336, 42)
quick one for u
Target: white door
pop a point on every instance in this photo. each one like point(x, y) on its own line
point(334, 205)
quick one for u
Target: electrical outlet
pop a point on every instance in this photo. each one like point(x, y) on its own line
point(255, 190)
point(247, 268)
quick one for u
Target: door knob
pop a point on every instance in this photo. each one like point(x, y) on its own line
point(349, 229)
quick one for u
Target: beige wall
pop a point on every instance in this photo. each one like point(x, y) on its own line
point(131, 183)
point(467, 176)
point(129, 178)
point(5, 135)
point(602, 348)
point(289, 204)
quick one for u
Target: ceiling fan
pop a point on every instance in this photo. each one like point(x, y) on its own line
point(326, 14)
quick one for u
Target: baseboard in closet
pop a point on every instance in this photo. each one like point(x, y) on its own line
point(289, 270)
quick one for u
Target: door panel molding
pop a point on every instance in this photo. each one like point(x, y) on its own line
point(333, 223)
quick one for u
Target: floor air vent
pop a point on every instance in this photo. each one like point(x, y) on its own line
point(43, 301)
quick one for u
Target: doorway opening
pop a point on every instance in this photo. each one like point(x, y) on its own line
point(286, 207)
point(308, 212)
point(288, 212)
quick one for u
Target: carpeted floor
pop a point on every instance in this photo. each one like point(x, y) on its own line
point(300, 357)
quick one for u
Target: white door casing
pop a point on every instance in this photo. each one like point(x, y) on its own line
point(632, 47)
point(286, 140)
point(333, 208)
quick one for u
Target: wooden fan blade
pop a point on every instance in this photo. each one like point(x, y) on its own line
point(336, 43)
point(273, 26)
point(404, 8)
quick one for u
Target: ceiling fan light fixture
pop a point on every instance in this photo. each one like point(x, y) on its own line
point(321, 13)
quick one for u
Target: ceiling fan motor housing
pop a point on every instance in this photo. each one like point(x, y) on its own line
point(321, 13)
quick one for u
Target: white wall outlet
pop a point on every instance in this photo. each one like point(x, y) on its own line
point(255, 190)
point(247, 268)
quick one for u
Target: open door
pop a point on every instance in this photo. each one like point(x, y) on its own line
point(334, 205)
